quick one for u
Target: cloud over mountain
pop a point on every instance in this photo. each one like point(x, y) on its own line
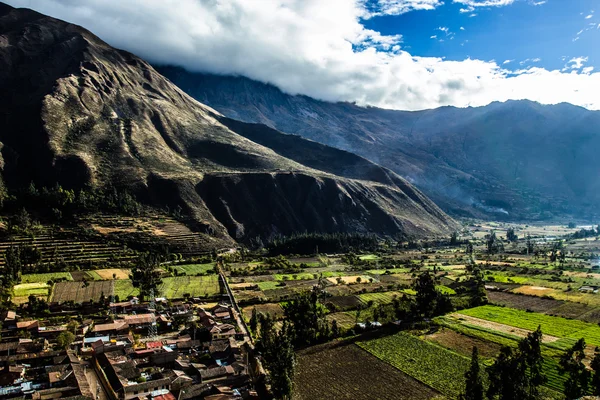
point(318, 48)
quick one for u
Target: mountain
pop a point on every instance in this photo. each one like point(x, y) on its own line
point(78, 112)
point(512, 160)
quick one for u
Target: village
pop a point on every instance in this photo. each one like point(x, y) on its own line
point(138, 352)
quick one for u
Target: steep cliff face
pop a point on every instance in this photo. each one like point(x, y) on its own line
point(517, 159)
point(79, 112)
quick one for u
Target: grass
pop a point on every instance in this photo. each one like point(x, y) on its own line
point(196, 286)
point(369, 257)
point(44, 278)
point(429, 363)
point(445, 289)
point(194, 269)
point(28, 289)
point(269, 285)
point(124, 288)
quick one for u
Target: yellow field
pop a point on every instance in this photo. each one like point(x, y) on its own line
point(107, 274)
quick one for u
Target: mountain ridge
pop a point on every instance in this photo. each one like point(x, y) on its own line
point(83, 114)
point(460, 157)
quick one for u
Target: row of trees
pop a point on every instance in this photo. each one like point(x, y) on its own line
point(313, 243)
point(517, 374)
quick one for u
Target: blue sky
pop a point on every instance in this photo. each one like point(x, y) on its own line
point(520, 31)
point(371, 52)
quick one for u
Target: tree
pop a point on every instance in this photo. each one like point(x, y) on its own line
point(254, 321)
point(507, 376)
point(454, 239)
point(473, 381)
point(595, 365)
point(530, 348)
point(335, 330)
point(571, 363)
point(12, 266)
point(280, 359)
point(426, 295)
point(72, 326)
point(145, 274)
point(307, 317)
point(494, 245)
point(65, 339)
point(511, 236)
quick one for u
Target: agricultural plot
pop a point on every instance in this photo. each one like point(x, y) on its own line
point(553, 326)
point(431, 364)
point(380, 297)
point(195, 286)
point(28, 289)
point(124, 288)
point(110, 273)
point(347, 372)
point(194, 269)
point(44, 278)
point(523, 302)
point(343, 302)
point(350, 279)
point(78, 292)
point(463, 344)
point(274, 309)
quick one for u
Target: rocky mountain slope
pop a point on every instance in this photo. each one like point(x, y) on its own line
point(76, 111)
point(516, 160)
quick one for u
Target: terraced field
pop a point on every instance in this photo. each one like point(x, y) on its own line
point(70, 250)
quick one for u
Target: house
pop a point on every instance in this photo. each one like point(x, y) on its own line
point(112, 328)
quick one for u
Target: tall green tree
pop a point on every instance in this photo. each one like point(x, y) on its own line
point(531, 351)
point(507, 376)
point(308, 318)
point(145, 275)
point(278, 354)
point(426, 296)
point(595, 365)
point(578, 377)
point(473, 380)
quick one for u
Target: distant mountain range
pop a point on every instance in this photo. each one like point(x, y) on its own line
point(517, 160)
point(76, 111)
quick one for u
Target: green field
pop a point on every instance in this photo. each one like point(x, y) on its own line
point(43, 278)
point(553, 326)
point(196, 286)
point(445, 289)
point(28, 289)
point(436, 366)
point(194, 269)
point(269, 285)
point(124, 288)
point(369, 257)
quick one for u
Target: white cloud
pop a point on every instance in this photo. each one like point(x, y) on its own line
point(535, 60)
point(576, 62)
point(507, 62)
point(462, 28)
point(397, 7)
point(433, 37)
point(484, 3)
point(587, 70)
point(313, 47)
point(588, 16)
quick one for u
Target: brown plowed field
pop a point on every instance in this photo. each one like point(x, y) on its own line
point(349, 372)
